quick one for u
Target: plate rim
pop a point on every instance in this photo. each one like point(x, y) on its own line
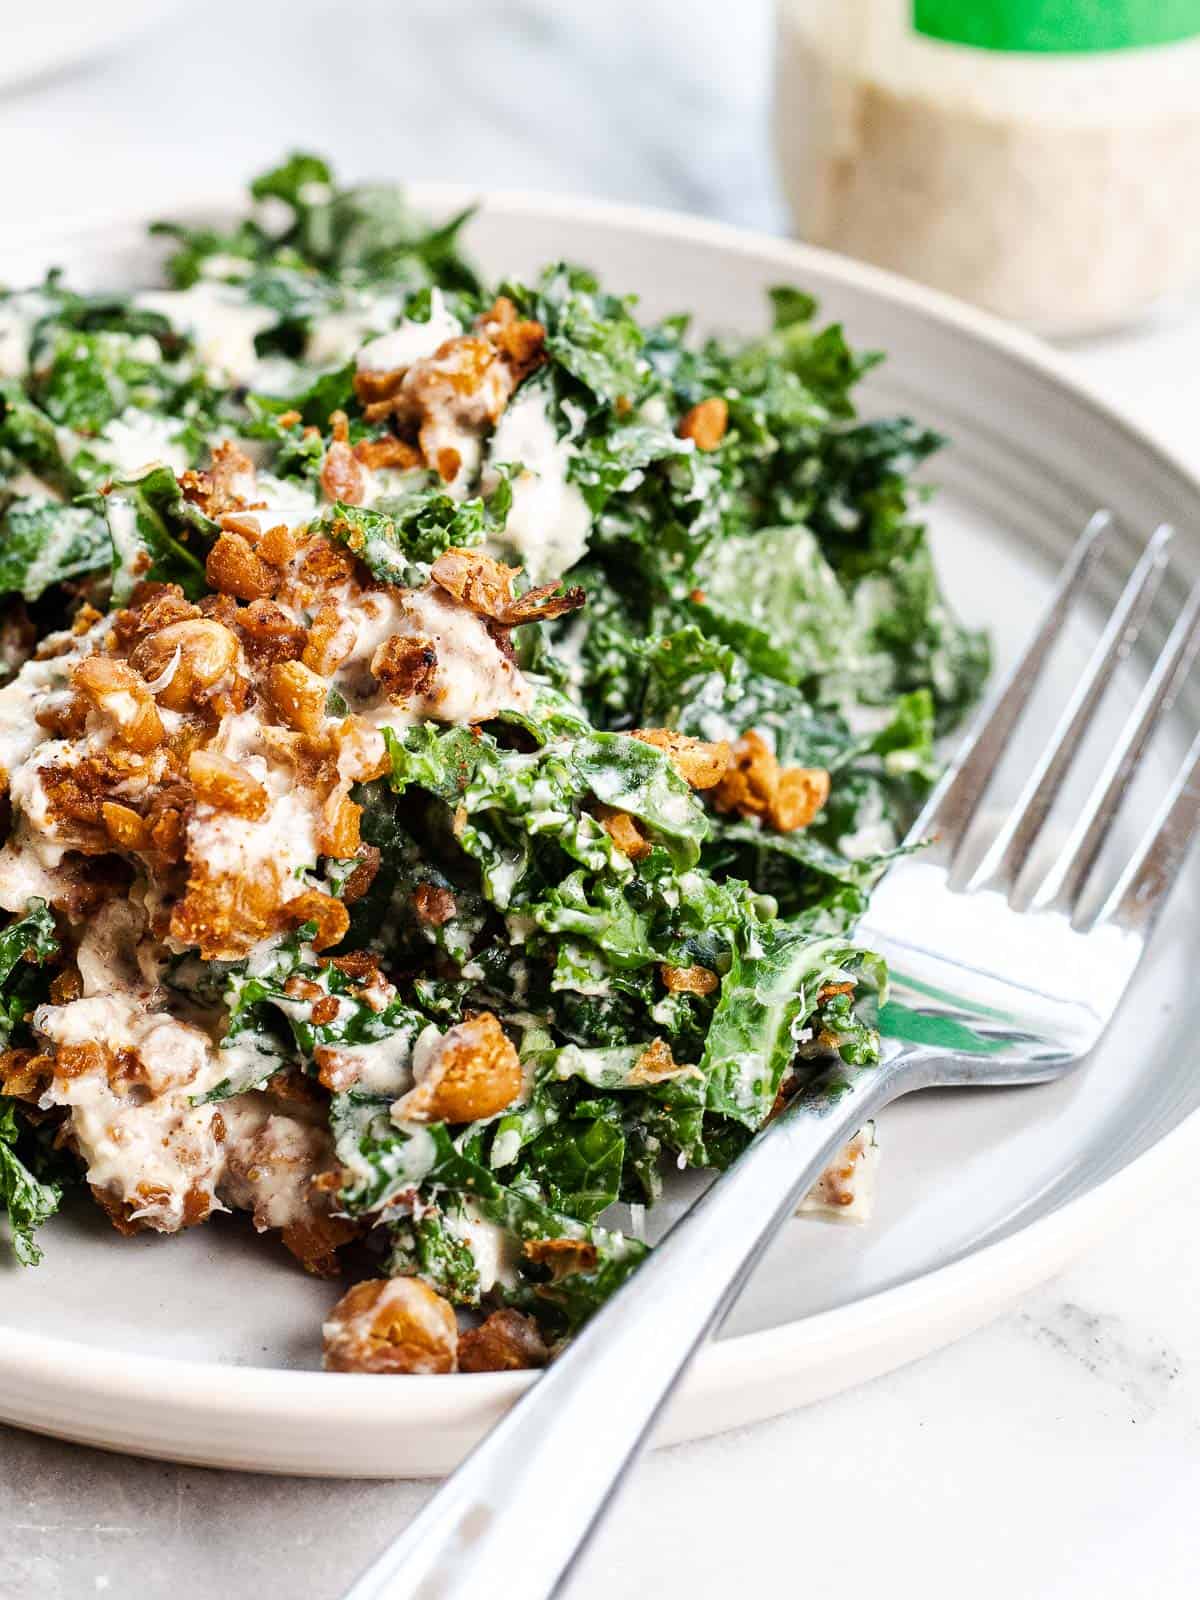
point(939, 1304)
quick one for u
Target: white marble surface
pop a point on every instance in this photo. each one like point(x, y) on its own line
point(1055, 1454)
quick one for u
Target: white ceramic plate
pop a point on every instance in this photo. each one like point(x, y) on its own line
point(204, 1348)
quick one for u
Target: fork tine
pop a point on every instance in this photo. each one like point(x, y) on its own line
point(1142, 889)
point(951, 806)
point(1064, 884)
point(1009, 851)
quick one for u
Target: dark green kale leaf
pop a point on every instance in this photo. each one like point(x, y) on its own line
point(772, 596)
point(266, 1025)
point(907, 625)
point(553, 714)
point(42, 542)
point(767, 996)
point(25, 945)
point(92, 377)
point(64, 310)
point(156, 533)
point(425, 1247)
point(803, 849)
point(368, 233)
point(370, 229)
point(401, 540)
point(383, 1160)
point(443, 761)
point(605, 643)
point(602, 913)
point(24, 1198)
point(563, 1301)
point(28, 438)
point(820, 357)
point(706, 689)
point(635, 777)
point(614, 458)
point(30, 938)
point(852, 1020)
point(508, 803)
point(590, 334)
point(323, 394)
point(28, 1201)
point(862, 496)
point(578, 1163)
point(386, 918)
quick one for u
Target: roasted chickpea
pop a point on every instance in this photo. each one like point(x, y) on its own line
point(507, 1341)
point(117, 692)
point(298, 694)
point(391, 1325)
point(207, 651)
point(219, 782)
point(473, 1071)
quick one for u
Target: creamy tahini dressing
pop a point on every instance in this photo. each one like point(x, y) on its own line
point(472, 681)
point(549, 521)
point(288, 502)
point(270, 1159)
point(411, 341)
point(136, 439)
point(121, 515)
point(19, 315)
point(281, 843)
point(150, 1147)
point(496, 1252)
point(146, 1147)
point(338, 335)
point(846, 1189)
point(20, 701)
point(222, 323)
point(113, 954)
point(384, 1067)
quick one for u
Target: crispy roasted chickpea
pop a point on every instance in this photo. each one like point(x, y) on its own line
point(786, 798)
point(705, 423)
point(221, 783)
point(118, 693)
point(330, 915)
point(339, 834)
point(207, 651)
point(624, 831)
point(235, 568)
point(507, 1341)
point(126, 829)
point(801, 794)
point(298, 694)
point(688, 980)
point(473, 1071)
point(391, 1325)
point(699, 763)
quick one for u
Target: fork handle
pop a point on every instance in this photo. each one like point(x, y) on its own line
point(521, 1507)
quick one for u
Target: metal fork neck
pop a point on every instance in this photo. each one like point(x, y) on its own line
point(524, 1503)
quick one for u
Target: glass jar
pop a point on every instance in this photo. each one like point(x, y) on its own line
point(1040, 158)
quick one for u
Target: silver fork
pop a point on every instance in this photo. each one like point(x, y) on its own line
point(1004, 986)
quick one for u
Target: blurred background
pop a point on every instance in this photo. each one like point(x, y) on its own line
point(1036, 157)
point(139, 104)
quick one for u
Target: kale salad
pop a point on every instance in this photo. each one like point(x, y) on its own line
point(449, 732)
